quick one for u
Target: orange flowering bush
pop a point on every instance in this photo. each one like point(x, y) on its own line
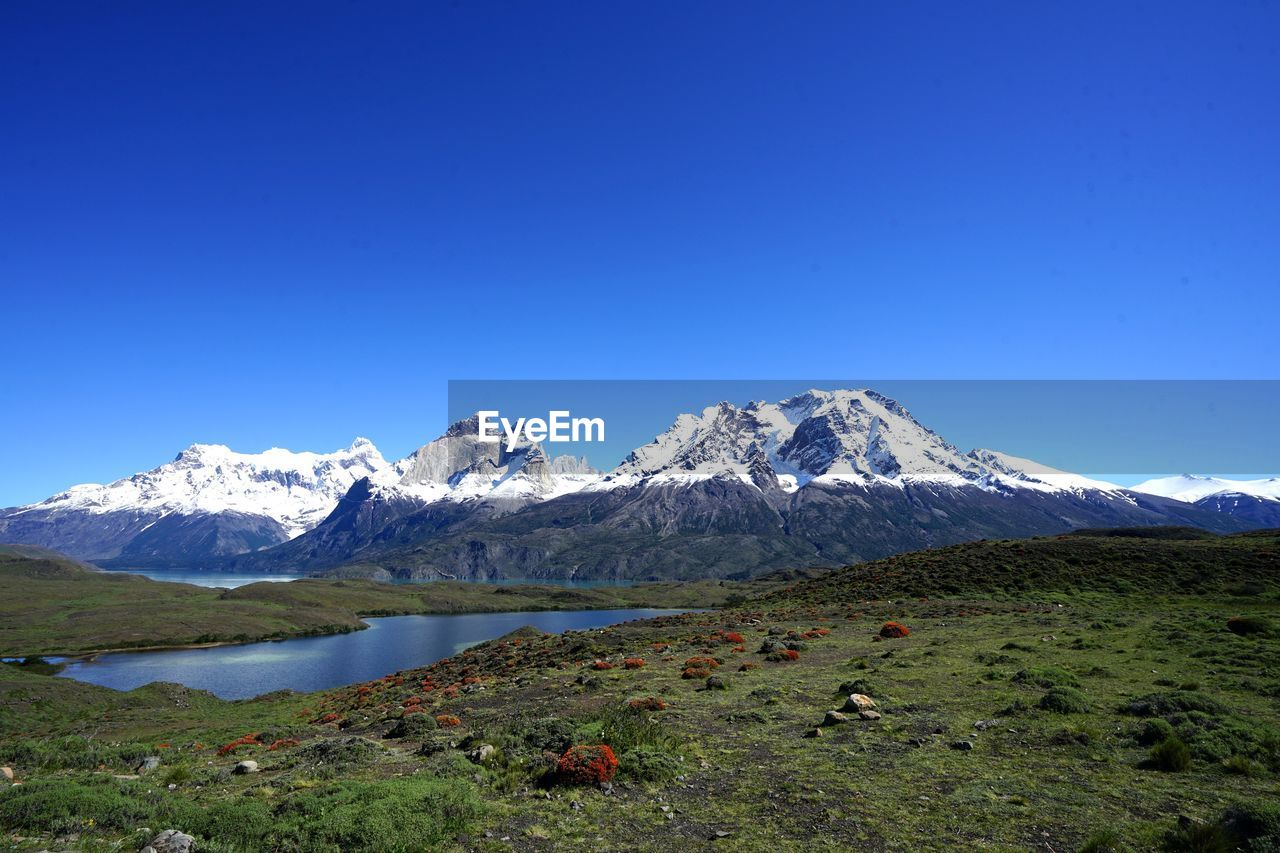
point(702, 663)
point(602, 664)
point(748, 666)
point(894, 630)
point(281, 744)
point(695, 672)
point(447, 721)
point(587, 765)
point(649, 703)
point(735, 638)
point(247, 740)
point(784, 656)
point(633, 663)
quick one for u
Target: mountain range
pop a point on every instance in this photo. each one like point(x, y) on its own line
point(822, 478)
point(1255, 501)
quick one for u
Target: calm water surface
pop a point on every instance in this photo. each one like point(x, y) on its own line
point(389, 644)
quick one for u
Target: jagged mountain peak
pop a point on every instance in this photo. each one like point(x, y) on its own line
point(295, 489)
point(847, 435)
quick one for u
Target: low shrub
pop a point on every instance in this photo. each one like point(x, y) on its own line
point(1166, 704)
point(413, 725)
point(894, 630)
point(1248, 625)
point(649, 764)
point(694, 672)
point(649, 703)
point(633, 663)
point(247, 740)
point(447, 721)
point(783, 656)
point(1241, 765)
point(1171, 755)
point(1155, 731)
point(602, 665)
point(549, 734)
point(587, 765)
point(1064, 700)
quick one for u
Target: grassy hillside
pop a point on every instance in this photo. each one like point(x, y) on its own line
point(50, 605)
point(1124, 698)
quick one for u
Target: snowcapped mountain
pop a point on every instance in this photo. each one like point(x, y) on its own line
point(823, 478)
point(1191, 488)
point(458, 466)
point(1255, 501)
point(858, 437)
point(209, 500)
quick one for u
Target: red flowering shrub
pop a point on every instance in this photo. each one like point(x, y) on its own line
point(784, 656)
point(247, 740)
point(739, 648)
point(735, 638)
point(894, 630)
point(659, 647)
point(412, 700)
point(748, 666)
point(702, 663)
point(281, 744)
point(695, 672)
point(471, 679)
point(331, 717)
point(602, 664)
point(447, 721)
point(587, 765)
point(649, 703)
point(633, 663)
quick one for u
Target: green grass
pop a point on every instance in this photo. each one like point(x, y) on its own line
point(1159, 711)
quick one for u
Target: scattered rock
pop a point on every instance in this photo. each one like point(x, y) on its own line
point(918, 741)
point(962, 745)
point(720, 833)
point(869, 715)
point(171, 841)
point(7, 772)
point(151, 762)
point(246, 766)
point(859, 702)
point(834, 718)
point(482, 753)
point(715, 682)
point(983, 725)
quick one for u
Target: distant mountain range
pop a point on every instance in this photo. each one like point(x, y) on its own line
point(823, 478)
point(1255, 501)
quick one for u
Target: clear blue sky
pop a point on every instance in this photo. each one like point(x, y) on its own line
point(275, 224)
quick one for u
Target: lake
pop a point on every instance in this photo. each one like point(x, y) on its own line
point(390, 643)
point(231, 580)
